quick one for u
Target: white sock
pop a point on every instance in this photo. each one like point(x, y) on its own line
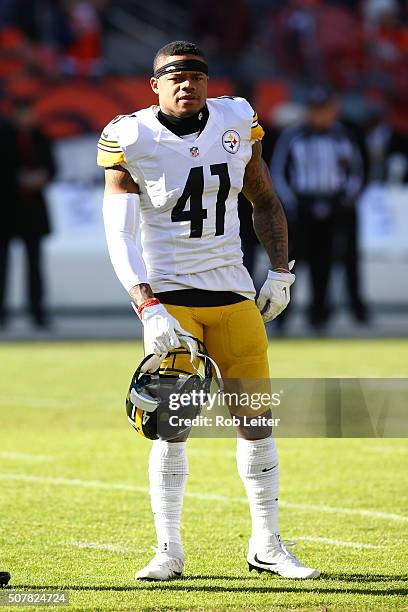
point(257, 462)
point(168, 471)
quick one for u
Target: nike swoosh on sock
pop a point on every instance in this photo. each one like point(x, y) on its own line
point(269, 469)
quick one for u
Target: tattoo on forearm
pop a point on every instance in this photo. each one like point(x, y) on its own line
point(140, 293)
point(271, 228)
point(268, 216)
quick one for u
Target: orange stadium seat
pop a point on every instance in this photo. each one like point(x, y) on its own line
point(267, 95)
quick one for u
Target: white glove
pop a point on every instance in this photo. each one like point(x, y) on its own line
point(161, 330)
point(274, 295)
point(152, 364)
point(155, 361)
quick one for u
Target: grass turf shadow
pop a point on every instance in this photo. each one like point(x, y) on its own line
point(187, 584)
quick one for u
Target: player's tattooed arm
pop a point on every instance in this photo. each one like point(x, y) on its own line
point(140, 293)
point(118, 180)
point(268, 216)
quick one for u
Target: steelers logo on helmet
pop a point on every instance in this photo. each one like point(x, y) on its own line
point(149, 402)
point(231, 141)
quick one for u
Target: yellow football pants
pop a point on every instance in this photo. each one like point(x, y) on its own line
point(234, 336)
point(236, 339)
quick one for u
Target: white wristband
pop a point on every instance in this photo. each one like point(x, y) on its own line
point(121, 215)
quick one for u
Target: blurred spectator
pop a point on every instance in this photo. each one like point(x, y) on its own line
point(317, 171)
point(312, 40)
point(15, 52)
point(386, 149)
point(26, 167)
point(223, 30)
point(340, 39)
point(83, 55)
point(386, 42)
point(38, 19)
point(291, 38)
point(19, 57)
point(376, 142)
point(42, 26)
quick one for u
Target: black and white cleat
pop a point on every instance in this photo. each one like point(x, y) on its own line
point(275, 558)
point(5, 578)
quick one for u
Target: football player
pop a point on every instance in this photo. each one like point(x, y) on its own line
point(174, 171)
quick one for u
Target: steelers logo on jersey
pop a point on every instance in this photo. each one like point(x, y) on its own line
point(231, 141)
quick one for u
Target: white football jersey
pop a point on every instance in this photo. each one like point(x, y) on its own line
point(188, 193)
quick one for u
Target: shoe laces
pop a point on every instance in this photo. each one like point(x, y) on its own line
point(284, 546)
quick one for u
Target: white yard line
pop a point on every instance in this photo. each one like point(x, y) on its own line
point(24, 456)
point(400, 450)
point(74, 482)
point(333, 542)
point(351, 511)
point(116, 548)
point(98, 484)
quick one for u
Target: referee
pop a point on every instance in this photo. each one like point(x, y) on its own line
point(318, 173)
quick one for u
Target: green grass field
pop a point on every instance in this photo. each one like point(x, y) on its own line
point(74, 508)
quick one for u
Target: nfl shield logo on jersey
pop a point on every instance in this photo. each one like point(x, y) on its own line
point(231, 141)
point(194, 151)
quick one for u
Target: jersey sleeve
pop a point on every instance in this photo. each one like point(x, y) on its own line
point(257, 132)
point(249, 117)
point(110, 153)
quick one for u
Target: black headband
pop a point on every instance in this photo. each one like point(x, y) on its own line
point(189, 65)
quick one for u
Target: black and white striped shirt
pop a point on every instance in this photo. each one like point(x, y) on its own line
point(307, 163)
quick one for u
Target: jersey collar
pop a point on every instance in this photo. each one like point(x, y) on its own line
point(204, 142)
